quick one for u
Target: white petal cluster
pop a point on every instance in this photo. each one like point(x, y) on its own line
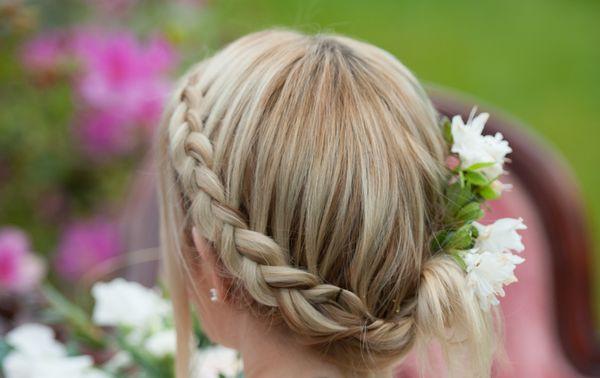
point(36, 354)
point(491, 263)
point(142, 312)
point(217, 361)
point(474, 148)
point(129, 304)
point(162, 343)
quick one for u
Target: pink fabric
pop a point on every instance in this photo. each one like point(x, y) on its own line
point(531, 340)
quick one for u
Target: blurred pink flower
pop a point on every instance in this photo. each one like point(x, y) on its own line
point(44, 53)
point(20, 270)
point(123, 76)
point(84, 245)
point(122, 80)
point(104, 134)
point(121, 83)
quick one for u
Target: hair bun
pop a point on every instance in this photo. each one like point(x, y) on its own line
point(448, 311)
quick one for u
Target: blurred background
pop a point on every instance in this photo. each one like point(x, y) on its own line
point(82, 86)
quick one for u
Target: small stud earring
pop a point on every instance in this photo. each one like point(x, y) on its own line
point(213, 294)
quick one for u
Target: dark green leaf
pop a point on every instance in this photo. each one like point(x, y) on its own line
point(488, 193)
point(459, 260)
point(457, 197)
point(476, 178)
point(447, 130)
point(474, 232)
point(460, 239)
point(439, 241)
point(470, 212)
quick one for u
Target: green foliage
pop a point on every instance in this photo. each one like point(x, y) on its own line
point(447, 130)
point(4, 350)
point(475, 178)
point(488, 193)
point(83, 329)
point(470, 212)
point(457, 196)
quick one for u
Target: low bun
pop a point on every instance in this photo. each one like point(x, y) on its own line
point(448, 312)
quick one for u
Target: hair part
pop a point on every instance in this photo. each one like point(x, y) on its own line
point(315, 167)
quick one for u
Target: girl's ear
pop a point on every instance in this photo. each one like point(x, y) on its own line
point(208, 264)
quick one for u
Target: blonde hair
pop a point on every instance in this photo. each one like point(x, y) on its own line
point(315, 167)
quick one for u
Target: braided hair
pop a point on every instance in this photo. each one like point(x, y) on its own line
point(314, 167)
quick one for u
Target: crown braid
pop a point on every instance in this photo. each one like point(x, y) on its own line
point(314, 166)
point(309, 306)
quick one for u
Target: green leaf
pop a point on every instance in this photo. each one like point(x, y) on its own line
point(5, 349)
point(477, 166)
point(447, 130)
point(439, 241)
point(470, 212)
point(476, 178)
point(458, 196)
point(488, 193)
point(461, 239)
point(474, 232)
point(459, 260)
point(82, 325)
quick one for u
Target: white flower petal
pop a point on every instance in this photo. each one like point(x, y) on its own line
point(33, 339)
point(488, 272)
point(478, 123)
point(473, 148)
point(123, 303)
point(162, 343)
point(501, 236)
point(37, 354)
point(213, 361)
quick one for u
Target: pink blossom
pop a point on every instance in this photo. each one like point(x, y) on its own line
point(20, 270)
point(104, 134)
point(84, 245)
point(121, 83)
point(123, 76)
point(44, 53)
point(124, 84)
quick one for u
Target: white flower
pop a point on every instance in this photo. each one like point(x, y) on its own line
point(473, 148)
point(34, 339)
point(501, 236)
point(162, 343)
point(123, 303)
point(36, 354)
point(490, 264)
point(215, 361)
point(488, 272)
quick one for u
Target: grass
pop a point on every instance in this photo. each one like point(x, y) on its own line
point(536, 59)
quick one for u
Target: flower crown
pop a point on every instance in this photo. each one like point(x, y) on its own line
point(484, 251)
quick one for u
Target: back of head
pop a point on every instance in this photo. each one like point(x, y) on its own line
point(315, 166)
